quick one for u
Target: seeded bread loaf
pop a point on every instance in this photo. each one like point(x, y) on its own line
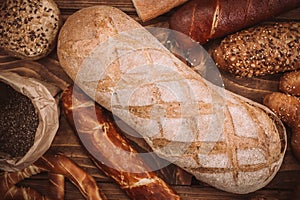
point(225, 140)
point(29, 29)
point(261, 50)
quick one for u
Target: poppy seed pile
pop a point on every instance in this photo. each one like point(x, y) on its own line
point(18, 122)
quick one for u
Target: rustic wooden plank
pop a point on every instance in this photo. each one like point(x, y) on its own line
point(111, 190)
point(206, 193)
point(195, 192)
point(253, 88)
point(67, 142)
point(290, 163)
point(125, 5)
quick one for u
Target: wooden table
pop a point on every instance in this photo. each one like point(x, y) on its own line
point(67, 142)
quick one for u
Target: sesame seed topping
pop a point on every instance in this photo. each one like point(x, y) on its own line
point(21, 26)
point(261, 50)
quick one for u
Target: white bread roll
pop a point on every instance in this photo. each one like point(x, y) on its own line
point(225, 140)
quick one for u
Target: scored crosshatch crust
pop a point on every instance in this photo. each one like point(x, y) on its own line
point(250, 157)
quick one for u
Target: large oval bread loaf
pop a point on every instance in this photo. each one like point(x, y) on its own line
point(225, 140)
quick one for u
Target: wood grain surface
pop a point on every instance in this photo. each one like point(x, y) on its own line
point(67, 142)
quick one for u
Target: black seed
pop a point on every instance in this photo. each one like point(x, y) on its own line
point(18, 122)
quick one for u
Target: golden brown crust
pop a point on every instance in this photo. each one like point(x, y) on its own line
point(287, 107)
point(149, 9)
point(296, 141)
point(290, 83)
point(158, 110)
point(57, 164)
point(56, 186)
point(110, 151)
point(204, 20)
point(260, 50)
point(62, 165)
point(8, 180)
point(218, 55)
point(30, 28)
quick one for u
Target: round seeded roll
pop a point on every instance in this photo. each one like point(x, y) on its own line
point(28, 29)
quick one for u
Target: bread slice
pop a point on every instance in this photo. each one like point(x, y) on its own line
point(149, 9)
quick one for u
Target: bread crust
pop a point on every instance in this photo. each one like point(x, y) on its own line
point(260, 50)
point(58, 166)
point(290, 83)
point(249, 142)
point(30, 28)
point(203, 20)
point(114, 155)
point(149, 9)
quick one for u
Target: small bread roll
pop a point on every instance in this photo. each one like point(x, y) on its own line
point(28, 29)
point(149, 9)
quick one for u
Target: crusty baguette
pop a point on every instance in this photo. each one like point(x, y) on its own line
point(225, 140)
point(204, 20)
point(149, 9)
point(110, 151)
point(260, 50)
